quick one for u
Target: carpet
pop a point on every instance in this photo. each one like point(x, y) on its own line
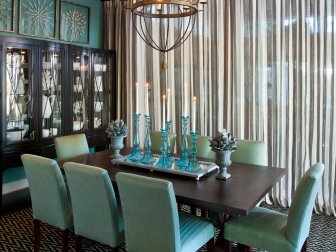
point(16, 234)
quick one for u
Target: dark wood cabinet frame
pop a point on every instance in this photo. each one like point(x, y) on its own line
point(10, 154)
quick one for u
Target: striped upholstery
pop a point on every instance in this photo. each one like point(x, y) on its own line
point(152, 222)
point(95, 209)
point(71, 146)
point(50, 199)
point(250, 152)
point(273, 231)
point(156, 141)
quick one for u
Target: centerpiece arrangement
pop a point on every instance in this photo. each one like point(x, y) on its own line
point(117, 130)
point(223, 144)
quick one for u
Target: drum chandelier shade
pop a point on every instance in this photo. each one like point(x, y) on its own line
point(174, 18)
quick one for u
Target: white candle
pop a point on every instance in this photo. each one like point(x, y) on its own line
point(163, 112)
point(137, 98)
point(147, 99)
point(168, 104)
point(186, 99)
point(194, 114)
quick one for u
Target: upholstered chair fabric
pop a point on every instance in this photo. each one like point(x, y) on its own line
point(273, 231)
point(71, 146)
point(156, 141)
point(95, 209)
point(250, 152)
point(203, 147)
point(50, 199)
point(152, 222)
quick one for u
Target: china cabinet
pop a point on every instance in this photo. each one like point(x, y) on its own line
point(50, 89)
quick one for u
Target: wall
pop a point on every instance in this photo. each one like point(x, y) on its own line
point(96, 23)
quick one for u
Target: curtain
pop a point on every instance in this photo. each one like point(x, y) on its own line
point(262, 69)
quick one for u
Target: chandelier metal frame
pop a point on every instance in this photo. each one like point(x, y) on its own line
point(164, 10)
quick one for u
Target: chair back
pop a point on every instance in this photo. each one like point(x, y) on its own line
point(150, 213)
point(250, 152)
point(94, 204)
point(71, 146)
point(300, 211)
point(50, 199)
point(156, 141)
point(203, 147)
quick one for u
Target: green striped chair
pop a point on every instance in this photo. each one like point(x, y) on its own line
point(50, 199)
point(152, 222)
point(156, 141)
point(250, 152)
point(96, 213)
point(71, 146)
point(274, 231)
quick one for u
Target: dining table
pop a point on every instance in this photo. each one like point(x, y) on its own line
point(235, 196)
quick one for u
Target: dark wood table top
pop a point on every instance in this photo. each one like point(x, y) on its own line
point(236, 196)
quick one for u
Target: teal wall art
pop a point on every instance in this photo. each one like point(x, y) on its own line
point(75, 22)
point(7, 15)
point(10, 11)
point(37, 18)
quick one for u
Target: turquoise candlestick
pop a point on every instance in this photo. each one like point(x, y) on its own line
point(136, 154)
point(148, 156)
point(168, 129)
point(164, 161)
point(184, 159)
point(193, 166)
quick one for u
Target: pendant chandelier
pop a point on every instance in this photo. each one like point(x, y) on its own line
point(174, 19)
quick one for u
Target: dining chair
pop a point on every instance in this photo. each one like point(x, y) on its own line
point(96, 213)
point(49, 195)
point(250, 152)
point(71, 146)
point(273, 231)
point(152, 222)
point(156, 141)
point(203, 147)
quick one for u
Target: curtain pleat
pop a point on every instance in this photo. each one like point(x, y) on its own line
point(263, 69)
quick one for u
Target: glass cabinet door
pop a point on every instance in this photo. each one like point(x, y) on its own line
point(80, 83)
point(102, 84)
point(19, 95)
point(51, 98)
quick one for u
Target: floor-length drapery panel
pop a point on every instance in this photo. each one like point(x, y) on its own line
point(263, 69)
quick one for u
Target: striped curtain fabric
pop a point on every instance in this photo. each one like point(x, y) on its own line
point(263, 69)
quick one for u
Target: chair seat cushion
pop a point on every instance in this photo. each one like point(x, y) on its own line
point(195, 232)
point(262, 228)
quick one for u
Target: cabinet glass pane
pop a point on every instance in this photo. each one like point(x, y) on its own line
point(80, 91)
point(19, 90)
point(102, 80)
point(51, 79)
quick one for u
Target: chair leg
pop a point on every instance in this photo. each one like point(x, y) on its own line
point(304, 246)
point(65, 234)
point(193, 210)
point(210, 245)
point(227, 246)
point(79, 240)
point(37, 235)
point(245, 248)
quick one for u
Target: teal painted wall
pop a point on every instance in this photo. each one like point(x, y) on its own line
point(96, 23)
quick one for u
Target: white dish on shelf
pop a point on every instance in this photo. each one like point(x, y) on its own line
point(98, 106)
point(77, 125)
point(15, 136)
point(77, 88)
point(76, 65)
